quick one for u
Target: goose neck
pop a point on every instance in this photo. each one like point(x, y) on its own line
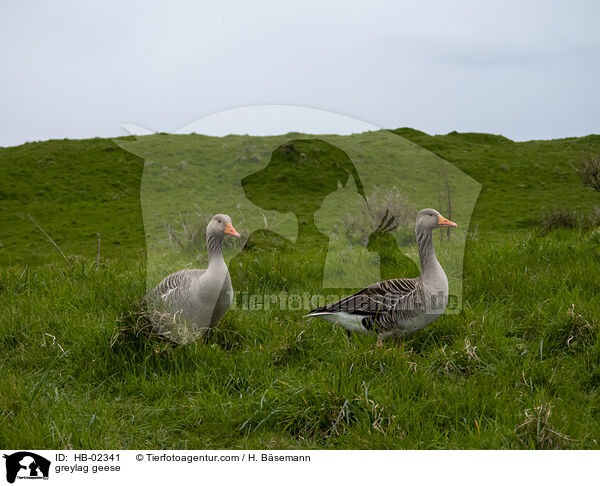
point(426, 251)
point(214, 245)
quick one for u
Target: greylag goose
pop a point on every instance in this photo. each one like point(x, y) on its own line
point(401, 306)
point(194, 300)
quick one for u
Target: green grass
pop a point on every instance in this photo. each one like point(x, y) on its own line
point(519, 367)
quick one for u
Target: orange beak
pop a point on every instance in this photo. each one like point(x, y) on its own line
point(445, 222)
point(230, 230)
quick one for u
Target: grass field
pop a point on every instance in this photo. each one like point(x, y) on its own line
point(519, 367)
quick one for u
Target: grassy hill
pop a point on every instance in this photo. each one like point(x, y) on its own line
point(519, 178)
point(517, 368)
point(78, 188)
point(75, 189)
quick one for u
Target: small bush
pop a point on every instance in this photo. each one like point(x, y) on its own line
point(383, 205)
point(557, 218)
point(588, 169)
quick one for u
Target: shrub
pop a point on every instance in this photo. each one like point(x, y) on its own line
point(551, 219)
point(588, 169)
point(558, 218)
point(383, 206)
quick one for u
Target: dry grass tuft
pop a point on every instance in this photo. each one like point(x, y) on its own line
point(538, 430)
point(138, 325)
point(581, 333)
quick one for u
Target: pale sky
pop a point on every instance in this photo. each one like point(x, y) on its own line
point(73, 69)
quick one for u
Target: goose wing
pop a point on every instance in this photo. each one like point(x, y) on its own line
point(176, 280)
point(384, 305)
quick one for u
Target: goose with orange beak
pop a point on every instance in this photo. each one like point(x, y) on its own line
point(189, 302)
point(401, 306)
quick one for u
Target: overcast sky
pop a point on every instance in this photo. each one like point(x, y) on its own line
point(82, 69)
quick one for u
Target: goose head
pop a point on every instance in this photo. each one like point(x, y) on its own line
point(220, 225)
point(429, 219)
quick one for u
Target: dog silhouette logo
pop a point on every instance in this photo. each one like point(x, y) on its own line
point(26, 465)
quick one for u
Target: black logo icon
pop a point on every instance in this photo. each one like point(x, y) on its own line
point(24, 460)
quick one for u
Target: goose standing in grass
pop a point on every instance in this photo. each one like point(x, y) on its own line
point(194, 300)
point(401, 306)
